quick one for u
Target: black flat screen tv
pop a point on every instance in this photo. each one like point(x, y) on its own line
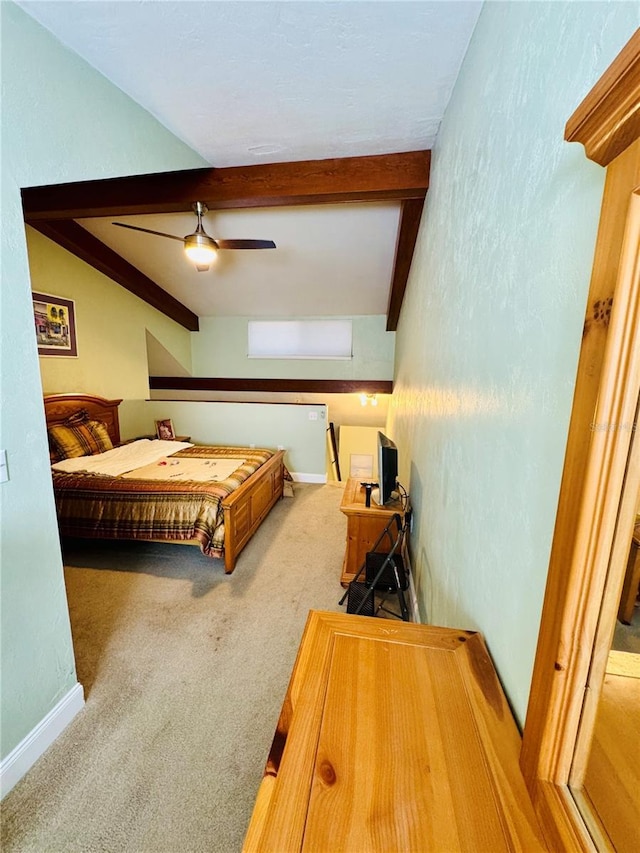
point(387, 471)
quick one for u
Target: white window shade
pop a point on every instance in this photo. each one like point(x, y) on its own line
point(300, 339)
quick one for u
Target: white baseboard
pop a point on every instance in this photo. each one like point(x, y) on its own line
point(39, 739)
point(308, 478)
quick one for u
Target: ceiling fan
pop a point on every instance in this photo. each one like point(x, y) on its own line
point(199, 247)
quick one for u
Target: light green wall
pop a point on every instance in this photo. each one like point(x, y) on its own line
point(111, 327)
point(299, 430)
point(220, 349)
point(490, 329)
point(61, 121)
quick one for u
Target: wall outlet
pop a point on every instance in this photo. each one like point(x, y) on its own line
point(281, 447)
point(252, 445)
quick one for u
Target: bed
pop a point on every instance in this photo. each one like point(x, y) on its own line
point(220, 515)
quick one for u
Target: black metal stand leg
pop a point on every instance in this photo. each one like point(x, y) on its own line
point(403, 606)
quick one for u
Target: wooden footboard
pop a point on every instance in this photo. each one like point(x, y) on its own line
point(247, 507)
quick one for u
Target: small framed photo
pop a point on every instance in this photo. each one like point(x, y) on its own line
point(164, 430)
point(55, 322)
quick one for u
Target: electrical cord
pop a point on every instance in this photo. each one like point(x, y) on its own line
point(404, 501)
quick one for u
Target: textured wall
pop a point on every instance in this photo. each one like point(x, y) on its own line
point(220, 349)
point(61, 121)
point(286, 426)
point(488, 340)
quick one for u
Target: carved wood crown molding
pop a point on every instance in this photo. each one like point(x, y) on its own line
point(608, 119)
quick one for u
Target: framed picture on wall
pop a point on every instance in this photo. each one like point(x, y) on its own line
point(165, 430)
point(55, 322)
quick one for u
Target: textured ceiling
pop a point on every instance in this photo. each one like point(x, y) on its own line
point(245, 83)
point(242, 82)
point(329, 260)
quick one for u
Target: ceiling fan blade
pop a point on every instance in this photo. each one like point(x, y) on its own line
point(246, 244)
point(148, 231)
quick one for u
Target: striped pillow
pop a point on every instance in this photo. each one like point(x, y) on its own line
point(69, 440)
point(101, 435)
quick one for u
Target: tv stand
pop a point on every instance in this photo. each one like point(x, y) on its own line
point(364, 525)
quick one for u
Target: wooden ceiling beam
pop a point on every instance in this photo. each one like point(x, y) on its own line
point(88, 248)
point(308, 386)
point(400, 177)
point(348, 179)
point(410, 215)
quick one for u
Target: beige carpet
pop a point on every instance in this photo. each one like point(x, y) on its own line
point(184, 670)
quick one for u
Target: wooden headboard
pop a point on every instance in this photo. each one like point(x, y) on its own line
point(58, 407)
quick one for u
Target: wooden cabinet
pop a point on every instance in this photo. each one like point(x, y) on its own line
point(393, 737)
point(364, 525)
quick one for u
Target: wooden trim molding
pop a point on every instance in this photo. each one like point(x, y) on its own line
point(608, 119)
point(589, 509)
point(583, 533)
point(303, 386)
point(596, 473)
point(560, 819)
point(619, 495)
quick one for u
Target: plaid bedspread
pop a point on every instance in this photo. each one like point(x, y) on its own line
point(102, 507)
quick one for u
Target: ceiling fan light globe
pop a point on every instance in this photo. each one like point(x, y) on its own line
point(200, 248)
point(201, 256)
